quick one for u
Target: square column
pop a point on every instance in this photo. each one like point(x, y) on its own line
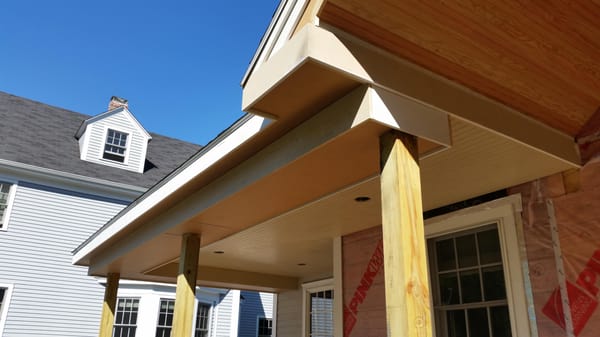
point(404, 253)
point(108, 308)
point(185, 295)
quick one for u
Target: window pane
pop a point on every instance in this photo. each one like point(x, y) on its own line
point(321, 313)
point(448, 283)
point(478, 322)
point(445, 255)
point(500, 321)
point(489, 246)
point(467, 251)
point(126, 317)
point(493, 283)
point(455, 323)
point(470, 286)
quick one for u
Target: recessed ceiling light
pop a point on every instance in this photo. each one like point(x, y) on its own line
point(302, 264)
point(219, 252)
point(362, 199)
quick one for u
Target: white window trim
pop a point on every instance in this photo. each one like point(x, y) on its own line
point(127, 146)
point(5, 304)
point(5, 221)
point(211, 307)
point(506, 212)
point(313, 287)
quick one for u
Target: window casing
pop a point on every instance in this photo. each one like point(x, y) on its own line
point(202, 320)
point(477, 282)
point(126, 317)
point(115, 146)
point(165, 318)
point(265, 327)
point(318, 309)
point(6, 198)
point(5, 294)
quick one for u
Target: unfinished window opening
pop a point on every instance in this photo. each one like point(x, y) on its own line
point(202, 320)
point(115, 145)
point(126, 317)
point(265, 327)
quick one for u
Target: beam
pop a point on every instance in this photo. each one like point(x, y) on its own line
point(405, 259)
point(346, 57)
point(185, 295)
point(108, 308)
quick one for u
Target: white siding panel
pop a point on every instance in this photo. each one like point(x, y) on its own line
point(120, 121)
point(222, 326)
point(255, 305)
point(289, 313)
point(51, 297)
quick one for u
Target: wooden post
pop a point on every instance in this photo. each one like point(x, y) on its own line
point(405, 259)
point(110, 302)
point(183, 316)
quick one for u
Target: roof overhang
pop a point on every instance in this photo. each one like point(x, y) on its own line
point(273, 194)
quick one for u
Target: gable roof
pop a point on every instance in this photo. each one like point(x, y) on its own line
point(37, 134)
point(103, 115)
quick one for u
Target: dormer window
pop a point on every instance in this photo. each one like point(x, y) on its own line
point(115, 146)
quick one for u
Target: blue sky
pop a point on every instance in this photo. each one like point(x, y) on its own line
point(179, 63)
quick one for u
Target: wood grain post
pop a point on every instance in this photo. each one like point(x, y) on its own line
point(405, 259)
point(108, 308)
point(185, 296)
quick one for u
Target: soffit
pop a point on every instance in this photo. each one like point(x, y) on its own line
point(540, 58)
point(292, 215)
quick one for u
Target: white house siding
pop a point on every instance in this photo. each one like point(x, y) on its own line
point(51, 297)
point(119, 121)
point(289, 313)
point(253, 306)
point(223, 313)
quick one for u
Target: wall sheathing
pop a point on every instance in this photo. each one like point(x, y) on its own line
point(561, 225)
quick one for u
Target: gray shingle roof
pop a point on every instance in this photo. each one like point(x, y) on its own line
point(41, 135)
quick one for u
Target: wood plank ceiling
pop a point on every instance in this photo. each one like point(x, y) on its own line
point(539, 57)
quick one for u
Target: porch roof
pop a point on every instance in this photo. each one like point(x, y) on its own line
point(275, 188)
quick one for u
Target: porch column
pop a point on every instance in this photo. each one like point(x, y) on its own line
point(183, 315)
point(406, 283)
point(108, 308)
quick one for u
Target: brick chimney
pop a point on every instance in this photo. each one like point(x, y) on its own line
point(117, 102)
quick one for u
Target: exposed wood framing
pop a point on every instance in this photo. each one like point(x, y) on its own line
point(183, 316)
point(405, 259)
point(108, 308)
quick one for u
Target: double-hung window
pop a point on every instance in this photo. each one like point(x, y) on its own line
point(477, 282)
point(6, 196)
point(115, 145)
point(5, 292)
point(318, 301)
point(165, 318)
point(126, 317)
point(265, 327)
point(202, 320)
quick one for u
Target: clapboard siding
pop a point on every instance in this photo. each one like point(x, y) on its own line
point(51, 297)
point(120, 121)
point(255, 305)
point(223, 316)
point(289, 313)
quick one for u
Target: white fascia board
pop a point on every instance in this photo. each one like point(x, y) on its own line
point(279, 31)
point(221, 148)
point(60, 179)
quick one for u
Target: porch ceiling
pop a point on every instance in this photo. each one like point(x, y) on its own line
point(540, 58)
point(291, 216)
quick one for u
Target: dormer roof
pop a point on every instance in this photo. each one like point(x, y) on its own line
point(108, 113)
